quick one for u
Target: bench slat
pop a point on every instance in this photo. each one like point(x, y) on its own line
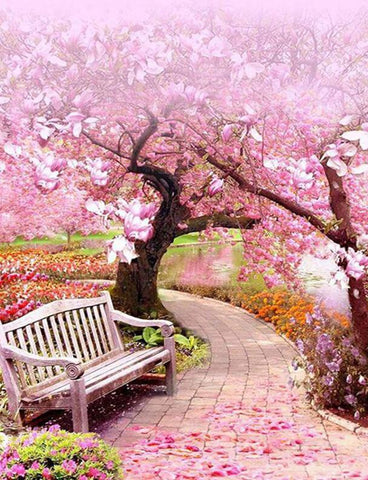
point(85, 354)
point(106, 324)
point(100, 328)
point(76, 350)
point(34, 349)
point(94, 331)
point(43, 348)
point(51, 343)
point(88, 335)
point(64, 334)
point(56, 334)
point(23, 345)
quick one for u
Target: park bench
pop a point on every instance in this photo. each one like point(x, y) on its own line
point(68, 353)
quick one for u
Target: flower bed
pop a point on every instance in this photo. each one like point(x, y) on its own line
point(56, 265)
point(32, 278)
point(54, 453)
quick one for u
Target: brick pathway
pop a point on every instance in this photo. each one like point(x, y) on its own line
point(239, 413)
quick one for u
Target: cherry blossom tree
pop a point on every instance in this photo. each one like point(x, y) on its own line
point(208, 122)
point(26, 210)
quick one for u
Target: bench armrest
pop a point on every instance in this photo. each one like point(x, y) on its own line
point(167, 328)
point(72, 365)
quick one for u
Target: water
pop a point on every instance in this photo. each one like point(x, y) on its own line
point(218, 265)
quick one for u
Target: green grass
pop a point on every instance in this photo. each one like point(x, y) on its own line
point(61, 239)
point(194, 237)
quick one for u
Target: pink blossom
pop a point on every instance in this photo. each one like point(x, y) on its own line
point(46, 473)
point(137, 229)
point(14, 151)
point(87, 442)
point(121, 248)
point(215, 186)
point(357, 135)
point(99, 170)
point(69, 466)
point(136, 208)
point(356, 263)
point(227, 132)
point(48, 171)
point(18, 469)
point(76, 120)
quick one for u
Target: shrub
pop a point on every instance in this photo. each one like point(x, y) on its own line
point(337, 372)
point(56, 454)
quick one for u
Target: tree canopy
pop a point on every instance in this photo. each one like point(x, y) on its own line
point(214, 119)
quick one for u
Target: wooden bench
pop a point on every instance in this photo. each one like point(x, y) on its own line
point(68, 353)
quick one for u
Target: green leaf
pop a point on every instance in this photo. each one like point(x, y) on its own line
point(181, 340)
point(148, 332)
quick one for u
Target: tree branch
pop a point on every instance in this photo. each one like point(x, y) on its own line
point(142, 140)
point(199, 224)
point(274, 197)
point(102, 145)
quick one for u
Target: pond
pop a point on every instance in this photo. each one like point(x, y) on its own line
point(218, 265)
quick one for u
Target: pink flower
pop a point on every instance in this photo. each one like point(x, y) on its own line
point(357, 262)
point(122, 248)
point(137, 229)
point(69, 466)
point(18, 469)
point(99, 170)
point(46, 473)
point(227, 132)
point(215, 186)
point(136, 208)
point(88, 442)
point(76, 120)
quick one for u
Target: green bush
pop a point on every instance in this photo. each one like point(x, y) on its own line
point(55, 454)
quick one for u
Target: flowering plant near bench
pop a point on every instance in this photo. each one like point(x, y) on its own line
point(55, 454)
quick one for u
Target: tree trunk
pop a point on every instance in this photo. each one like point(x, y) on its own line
point(135, 290)
point(359, 311)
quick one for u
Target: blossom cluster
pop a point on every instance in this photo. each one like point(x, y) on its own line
point(137, 221)
point(54, 453)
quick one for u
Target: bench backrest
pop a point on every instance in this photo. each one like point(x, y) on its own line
point(79, 328)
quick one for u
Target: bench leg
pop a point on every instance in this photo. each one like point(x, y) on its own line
point(170, 378)
point(79, 405)
point(16, 415)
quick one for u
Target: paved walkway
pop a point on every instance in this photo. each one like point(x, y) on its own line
point(238, 417)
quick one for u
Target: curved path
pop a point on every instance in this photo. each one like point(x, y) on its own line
point(238, 417)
